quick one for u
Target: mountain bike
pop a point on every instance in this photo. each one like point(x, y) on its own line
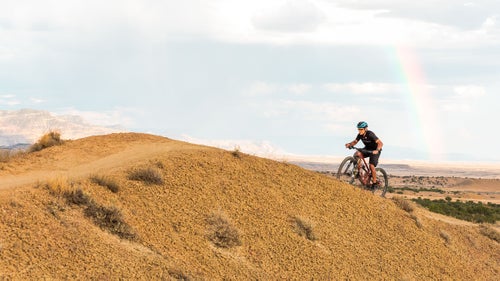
point(355, 167)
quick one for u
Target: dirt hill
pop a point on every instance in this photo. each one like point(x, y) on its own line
point(136, 206)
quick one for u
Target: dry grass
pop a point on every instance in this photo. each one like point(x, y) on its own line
point(446, 237)
point(305, 228)
point(107, 218)
point(236, 152)
point(146, 175)
point(77, 197)
point(222, 232)
point(59, 186)
point(110, 219)
point(106, 181)
point(489, 232)
point(50, 139)
point(418, 222)
point(179, 275)
point(404, 204)
point(7, 154)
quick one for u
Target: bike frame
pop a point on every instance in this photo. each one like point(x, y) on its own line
point(364, 171)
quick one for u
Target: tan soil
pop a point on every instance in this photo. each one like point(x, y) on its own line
point(463, 189)
point(358, 236)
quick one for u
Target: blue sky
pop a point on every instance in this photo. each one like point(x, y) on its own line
point(276, 76)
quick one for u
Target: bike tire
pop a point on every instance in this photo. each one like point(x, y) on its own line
point(346, 171)
point(384, 182)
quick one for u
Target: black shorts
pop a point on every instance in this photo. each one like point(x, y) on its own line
point(373, 157)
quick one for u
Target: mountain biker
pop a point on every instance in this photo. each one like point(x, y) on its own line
point(373, 147)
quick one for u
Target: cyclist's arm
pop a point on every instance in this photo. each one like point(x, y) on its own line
point(379, 145)
point(352, 143)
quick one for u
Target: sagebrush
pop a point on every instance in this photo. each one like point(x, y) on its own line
point(489, 232)
point(106, 181)
point(147, 175)
point(222, 232)
point(404, 204)
point(50, 139)
point(304, 227)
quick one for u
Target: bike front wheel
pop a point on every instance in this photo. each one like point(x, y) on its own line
point(347, 170)
point(384, 182)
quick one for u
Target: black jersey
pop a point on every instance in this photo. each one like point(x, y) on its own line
point(369, 140)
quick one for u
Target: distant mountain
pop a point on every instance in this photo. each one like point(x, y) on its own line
point(27, 126)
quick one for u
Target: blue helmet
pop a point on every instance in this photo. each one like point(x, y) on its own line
point(362, 125)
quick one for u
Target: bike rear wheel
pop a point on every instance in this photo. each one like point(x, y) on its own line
point(384, 182)
point(347, 168)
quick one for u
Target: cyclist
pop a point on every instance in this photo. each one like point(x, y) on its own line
point(373, 147)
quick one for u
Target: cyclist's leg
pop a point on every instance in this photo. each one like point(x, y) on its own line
point(373, 164)
point(358, 156)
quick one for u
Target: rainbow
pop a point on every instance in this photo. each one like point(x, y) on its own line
point(421, 103)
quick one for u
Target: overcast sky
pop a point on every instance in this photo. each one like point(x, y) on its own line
point(281, 76)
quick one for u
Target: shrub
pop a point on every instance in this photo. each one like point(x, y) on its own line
point(418, 222)
point(222, 232)
point(107, 218)
point(77, 197)
point(6, 155)
point(107, 182)
point(178, 275)
point(110, 219)
point(146, 175)
point(469, 211)
point(305, 228)
point(489, 232)
point(403, 204)
point(59, 186)
point(50, 139)
point(445, 236)
point(236, 152)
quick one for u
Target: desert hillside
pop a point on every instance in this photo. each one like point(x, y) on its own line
point(136, 206)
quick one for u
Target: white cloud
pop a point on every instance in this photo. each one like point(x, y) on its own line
point(292, 16)
point(464, 98)
point(115, 117)
point(363, 88)
point(300, 89)
point(317, 111)
point(469, 92)
point(260, 88)
point(9, 100)
point(37, 100)
point(261, 148)
point(40, 23)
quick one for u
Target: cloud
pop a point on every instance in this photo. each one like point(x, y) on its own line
point(363, 88)
point(37, 100)
point(462, 15)
point(64, 25)
point(261, 148)
point(262, 88)
point(463, 99)
point(469, 92)
point(292, 16)
point(120, 117)
point(309, 110)
point(300, 89)
point(9, 100)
